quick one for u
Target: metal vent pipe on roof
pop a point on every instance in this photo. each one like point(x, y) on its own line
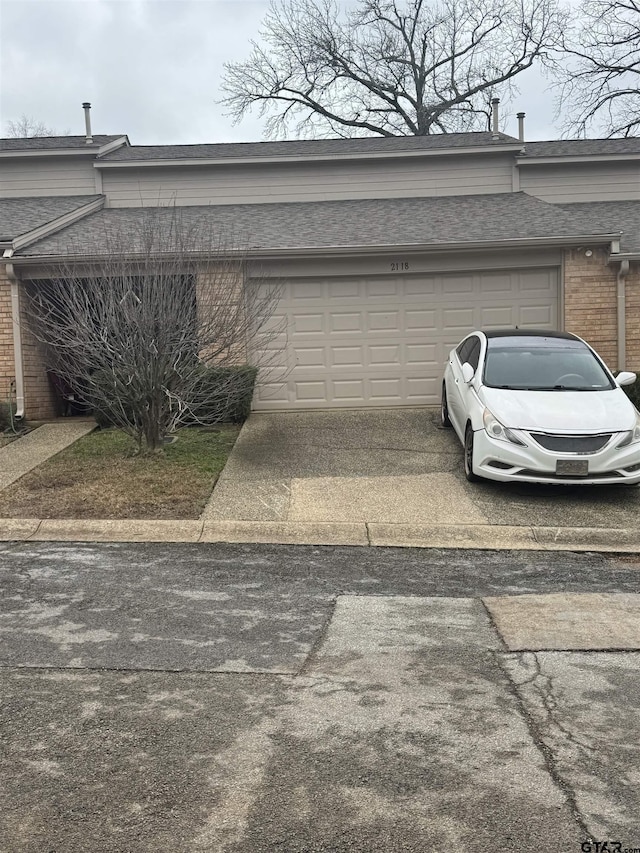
point(495, 115)
point(521, 126)
point(87, 122)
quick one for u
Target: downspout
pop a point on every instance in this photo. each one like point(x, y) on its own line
point(623, 271)
point(17, 341)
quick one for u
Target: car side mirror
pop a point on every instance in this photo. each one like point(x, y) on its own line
point(467, 372)
point(624, 378)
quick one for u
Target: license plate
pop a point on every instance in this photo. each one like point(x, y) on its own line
point(572, 467)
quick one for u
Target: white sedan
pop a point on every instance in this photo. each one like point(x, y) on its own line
point(540, 407)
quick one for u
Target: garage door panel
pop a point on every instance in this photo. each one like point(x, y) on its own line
point(346, 356)
point(460, 319)
point(308, 324)
point(345, 321)
point(383, 287)
point(499, 283)
point(460, 284)
point(384, 355)
point(345, 289)
point(422, 320)
point(384, 341)
point(494, 317)
point(420, 355)
point(536, 316)
point(383, 321)
point(349, 390)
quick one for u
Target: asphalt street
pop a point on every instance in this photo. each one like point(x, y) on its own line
point(242, 698)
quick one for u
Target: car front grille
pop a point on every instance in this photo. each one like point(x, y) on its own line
point(571, 443)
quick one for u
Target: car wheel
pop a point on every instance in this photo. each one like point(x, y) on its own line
point(468, 456)
point(444, 408)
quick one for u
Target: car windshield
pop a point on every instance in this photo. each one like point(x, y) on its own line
point(543, 364)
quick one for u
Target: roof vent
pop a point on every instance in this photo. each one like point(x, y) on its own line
point(87, 122)
point(521, 126)
point(495, 118)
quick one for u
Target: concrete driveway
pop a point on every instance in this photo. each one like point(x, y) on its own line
point(389, 467)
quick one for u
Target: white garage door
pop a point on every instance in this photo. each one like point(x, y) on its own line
point(383, 341)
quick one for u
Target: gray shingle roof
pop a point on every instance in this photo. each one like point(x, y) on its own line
point(310, 147)
point(20, 215)
point(582, 147)
point(602, 215)
point(56, 143)
point(329, 224)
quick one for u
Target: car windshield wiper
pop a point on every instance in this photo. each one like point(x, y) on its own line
point(562, 388)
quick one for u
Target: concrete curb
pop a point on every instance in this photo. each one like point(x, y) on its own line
point(476, 536)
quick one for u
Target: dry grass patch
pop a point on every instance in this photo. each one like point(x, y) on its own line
point(100, 476)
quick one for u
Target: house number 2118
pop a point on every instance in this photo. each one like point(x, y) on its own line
point(397, 266)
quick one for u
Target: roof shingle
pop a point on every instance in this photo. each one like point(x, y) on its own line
point(582, 147)
point(21, 215)
point(310, 147)
point(57, 143)
point(366, 224)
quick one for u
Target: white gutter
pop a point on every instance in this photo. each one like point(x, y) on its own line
point(338, 251)
point(622, 313)
point(17, 339)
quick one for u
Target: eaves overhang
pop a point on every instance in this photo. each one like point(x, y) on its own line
point(617, 257)
point(306, 158)
point(564, 159)
point(342, 251)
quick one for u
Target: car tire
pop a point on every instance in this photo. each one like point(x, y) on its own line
point(445, 420)
point(468, 456)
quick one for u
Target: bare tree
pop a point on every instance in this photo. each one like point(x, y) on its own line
point(27, 126)
point(599, 71)
point(147, 331)
point(388, 67)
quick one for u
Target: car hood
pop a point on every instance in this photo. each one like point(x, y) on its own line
point(561, 411)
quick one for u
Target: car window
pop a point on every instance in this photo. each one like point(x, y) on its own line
point(543, 364)
point(474, 354)
point(464, 348)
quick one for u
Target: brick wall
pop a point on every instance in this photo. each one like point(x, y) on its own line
point(40, 403)
point(633, 318)
point(7, 371)
point(40, 399)
point(218, 287)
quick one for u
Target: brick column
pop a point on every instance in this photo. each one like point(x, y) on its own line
point(590, 290)
point(633, 317)
point(7, 368)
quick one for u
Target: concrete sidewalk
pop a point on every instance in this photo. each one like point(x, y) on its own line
point(26, 453)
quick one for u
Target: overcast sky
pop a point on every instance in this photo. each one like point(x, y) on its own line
point(151, 68)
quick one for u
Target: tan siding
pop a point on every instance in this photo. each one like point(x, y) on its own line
point(47, 177)
point(233, 184)
point(582, 182)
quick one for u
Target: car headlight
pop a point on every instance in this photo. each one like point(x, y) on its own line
point(495, 429)
point(633, 436)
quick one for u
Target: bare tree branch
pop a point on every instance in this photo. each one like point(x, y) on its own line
point(26, 126)
point(136, 331)
point(598, 71)
point(388, 67)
